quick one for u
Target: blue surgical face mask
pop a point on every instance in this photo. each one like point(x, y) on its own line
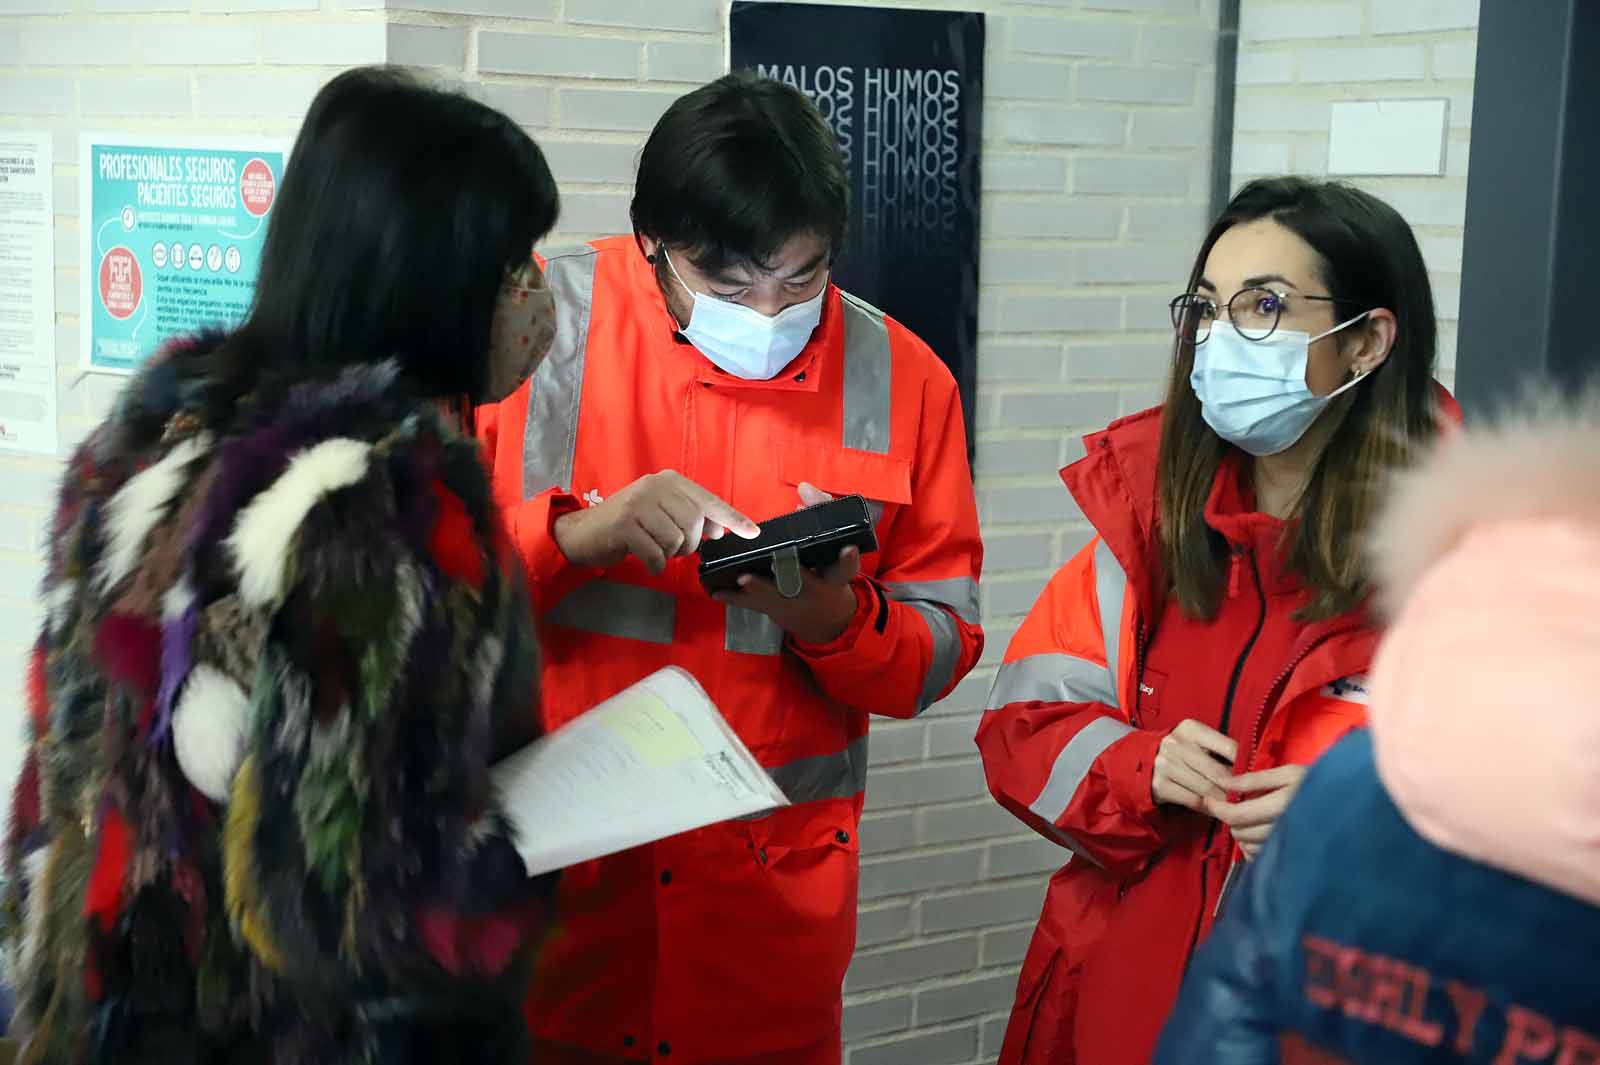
point(743, 341)
point(1253, 393)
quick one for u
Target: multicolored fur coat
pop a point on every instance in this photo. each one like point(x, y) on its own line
point(285, 640)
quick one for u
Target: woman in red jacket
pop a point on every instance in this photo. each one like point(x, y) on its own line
point(1157, 709)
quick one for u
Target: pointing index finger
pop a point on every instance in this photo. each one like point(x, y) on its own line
point(723, 514)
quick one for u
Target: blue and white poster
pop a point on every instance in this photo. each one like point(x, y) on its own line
point(172, 231)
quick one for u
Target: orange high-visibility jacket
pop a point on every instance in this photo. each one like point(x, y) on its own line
point(730, 943)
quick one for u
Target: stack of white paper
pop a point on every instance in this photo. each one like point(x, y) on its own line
point(650, 762)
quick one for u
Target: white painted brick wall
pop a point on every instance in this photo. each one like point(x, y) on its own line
point(1296, 58)
point(683, 61)
point(1421, 16)
point(536, 53)
point(1097, 140)
point(1040, 125)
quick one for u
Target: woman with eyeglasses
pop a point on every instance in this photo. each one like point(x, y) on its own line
point(1156, 711)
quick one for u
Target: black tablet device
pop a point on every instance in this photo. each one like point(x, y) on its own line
point(811, 538)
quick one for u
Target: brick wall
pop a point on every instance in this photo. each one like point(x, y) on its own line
point(1097, 135)
point(1297, 58)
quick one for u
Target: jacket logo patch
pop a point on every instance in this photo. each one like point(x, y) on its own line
point(1352, 689)
point(593, 497)
point(1151, 684)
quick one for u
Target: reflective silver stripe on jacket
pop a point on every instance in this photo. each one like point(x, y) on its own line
point(868, 369)
point(1110, 586)
point(930, 599)
point(1073, 763)
point(1052, 678)
point(610, 608)
point(1059, 677)
point(751, 633)
point(960, 594)
point(825, 776)
point(550, 439)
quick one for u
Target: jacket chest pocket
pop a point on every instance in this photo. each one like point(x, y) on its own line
point(1152, 683)
point(884, 481)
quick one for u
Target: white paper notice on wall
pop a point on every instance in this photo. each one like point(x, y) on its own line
point(1372, 138)
point(27, 294)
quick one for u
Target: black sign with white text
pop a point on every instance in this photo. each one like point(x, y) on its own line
point(903, 91)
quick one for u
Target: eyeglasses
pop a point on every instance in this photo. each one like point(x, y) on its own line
point(1254, 312)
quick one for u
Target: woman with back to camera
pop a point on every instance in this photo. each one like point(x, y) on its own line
point(284, 639)
point(1158, 707)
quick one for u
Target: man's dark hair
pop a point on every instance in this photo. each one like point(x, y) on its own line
point(401, 211)
point(736, 169)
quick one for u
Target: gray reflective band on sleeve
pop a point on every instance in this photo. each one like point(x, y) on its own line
point(626, 611)
point(825, 776)
point(1052, 678)
point(550, 439)
point(751, 633)
point(1073, 763)
point(946, 652)
point(868, 367)
point(1074, 848)
point(960, 594)
point(1110, 586)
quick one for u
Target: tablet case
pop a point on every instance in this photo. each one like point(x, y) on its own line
point(811, 538)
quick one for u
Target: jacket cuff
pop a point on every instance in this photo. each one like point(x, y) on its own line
point(551, 575)
point(868, 598)
point(1130, 765)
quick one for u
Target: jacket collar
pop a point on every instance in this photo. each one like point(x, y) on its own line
point(1116, 486)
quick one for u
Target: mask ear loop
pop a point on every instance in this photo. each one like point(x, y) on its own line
point(675, 275)
point(1359, 374)
point(1342, 325)
point(1348, 385)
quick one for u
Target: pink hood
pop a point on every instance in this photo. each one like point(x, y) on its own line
point(1485, 694)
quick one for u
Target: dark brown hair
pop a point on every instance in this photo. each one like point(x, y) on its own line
point(1369, 259)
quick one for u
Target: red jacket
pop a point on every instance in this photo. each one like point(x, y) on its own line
point(1077, 713)
point(730, 944)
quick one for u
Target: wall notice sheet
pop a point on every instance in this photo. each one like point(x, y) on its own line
point(27, 295)
point(652, 761)
point(172, 230)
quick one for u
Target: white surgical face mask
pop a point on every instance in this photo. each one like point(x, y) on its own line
point(743, 341)
point(1253, 393)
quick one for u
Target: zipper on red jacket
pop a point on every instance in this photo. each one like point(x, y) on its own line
point(1260, 724)
point(1294, 663)
point(1136, 717)
point(1227, 713)
point(1250, 645)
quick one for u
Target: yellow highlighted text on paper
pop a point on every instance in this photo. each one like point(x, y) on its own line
point(657, 736)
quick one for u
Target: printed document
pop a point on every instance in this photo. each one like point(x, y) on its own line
point(652, 761)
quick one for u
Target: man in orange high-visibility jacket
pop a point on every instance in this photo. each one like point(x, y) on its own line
point(706, 370)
